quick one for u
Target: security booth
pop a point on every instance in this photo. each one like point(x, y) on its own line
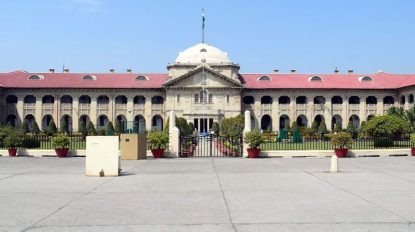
point(133, 144)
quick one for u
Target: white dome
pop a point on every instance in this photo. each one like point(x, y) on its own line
point(203, 53)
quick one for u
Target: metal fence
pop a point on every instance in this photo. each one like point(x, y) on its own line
point(325, 143)
point(44, 142)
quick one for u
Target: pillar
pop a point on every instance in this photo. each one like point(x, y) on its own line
point(174, 136)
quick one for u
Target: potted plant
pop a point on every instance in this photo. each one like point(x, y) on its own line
point(254, 140)
point(158, 141)
point(12, 141)
point(341, 143)
point(61, 143)
point(413, 144)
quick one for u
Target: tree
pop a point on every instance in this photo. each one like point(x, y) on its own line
point(410, 115)
point(110, 128)
point(351, 129)
point(64, 127)
point(386, 126)
point(191, 126)
point(397, 111)
point(52, 128)
point(82, 127)
point(35, 128)
point(181, 124)
point(117, 127)
point(215, 128)
point(91, 128)
point(231, 127)
point(362, 125)
point(338, 127)
point(287, 126)
point(314, 126)
point(322, 129)
point(25, 128)
point(294, 125)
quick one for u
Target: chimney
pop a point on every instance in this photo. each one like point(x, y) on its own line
point(66, 70)
point(52, 70)
point(336, 70)
point(293, 70)
point(112, 70)
point(350, 71)
point(129, 70)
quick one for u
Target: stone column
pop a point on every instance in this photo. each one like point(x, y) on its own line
point(38, 112)
point(75, 114)
point(93, 110)
point(174, 136)
point(247, 129)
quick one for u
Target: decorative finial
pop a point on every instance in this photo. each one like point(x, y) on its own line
point(203, 26)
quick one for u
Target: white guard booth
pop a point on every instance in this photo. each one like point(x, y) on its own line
point(102, 156)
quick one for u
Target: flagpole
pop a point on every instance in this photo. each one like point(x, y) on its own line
point(203, 26)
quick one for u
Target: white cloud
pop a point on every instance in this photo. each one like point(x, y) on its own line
point(89, 5)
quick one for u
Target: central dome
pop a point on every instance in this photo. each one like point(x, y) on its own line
point(203, 53)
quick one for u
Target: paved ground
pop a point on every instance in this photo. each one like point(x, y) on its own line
point(204, 194)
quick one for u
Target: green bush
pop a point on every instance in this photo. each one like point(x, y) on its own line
point(231, 127)
point(110, 128)
point(25, 128)
point(322, 129)
point(191, 127)
point(386, 126)
point(13, 140)
point(64, 127)
point(117, 127)
point(158, 140)
point(35, 128)
point(254, 138)
point(30, 143)
point(91, 128)
point(314, 126)
point(82, 127)
point(412, 140)
point(61, 141)
point(341, 140)
point(215, 128)
point(352, 130)
point(181, 124)
point(338, 127)
point(52, 128)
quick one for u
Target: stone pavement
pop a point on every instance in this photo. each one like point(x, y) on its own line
point(205, 194)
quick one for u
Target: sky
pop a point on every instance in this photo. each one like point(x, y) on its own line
point(145, 36)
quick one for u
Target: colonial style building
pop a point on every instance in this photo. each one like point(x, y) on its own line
point(204, 86)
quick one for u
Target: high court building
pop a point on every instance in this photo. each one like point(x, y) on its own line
point(203, 86)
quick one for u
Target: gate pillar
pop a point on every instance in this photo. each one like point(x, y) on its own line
point(174, 136)
point(247, 129)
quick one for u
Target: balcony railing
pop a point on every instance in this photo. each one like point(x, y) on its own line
point(11, 105)
point(284, 106)
point(301, 106)
point(66, 105)
point(138, 106)
point(337, 106)
point(84, 105)
point(354, 106)
point(371, 106)
point(157, 106)
point(29, 105)
point(102, 105)
point(121, 106)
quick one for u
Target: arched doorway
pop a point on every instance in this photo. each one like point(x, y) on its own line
point(355, 120)
point(157, 123)
point(30, 121)
point(334, 120)
point(102, 122)
point(122, 121)
point(11, 120)
point(84, 119)
point(284, 121)
point(139, 124)
point(46, 120)
point(266, 123)
point(302, 121)
point(253, 122)
point(66, 119)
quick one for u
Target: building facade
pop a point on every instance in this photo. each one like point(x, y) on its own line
point(203, 86)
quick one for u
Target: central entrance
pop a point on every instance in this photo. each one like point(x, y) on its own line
point(203, 124)
point(210, 145)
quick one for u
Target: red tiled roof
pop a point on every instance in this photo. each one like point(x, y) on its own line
point(19, 79)
point(381, 80)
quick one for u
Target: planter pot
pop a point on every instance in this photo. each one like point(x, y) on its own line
point(157, 153)
point(253, 153)
point(61, 152)
point(12, 151)
point(413, 151)
point(341, 153)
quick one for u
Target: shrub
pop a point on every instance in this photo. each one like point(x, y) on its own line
point(191, 127)
point(61, 141)
point(30, 143)
point(13, 140)
point(254, 138)
point(52, 128)
point(322, 129)
point(91, 128)
point(25, 128)
point(341, 140)
point(117, 127)
point(82, 127)
point(412, 138)
point(64, 127)
point(101, 132)
point(294, 126)
point(181, 124)
point(314, 126)
point(110, 128)
point(215, 128)
point(352, 130)
point(338, 127)
point(386, 126)
point(158, 140)
point(35, 128)
point(382, 142)
point(231, 127)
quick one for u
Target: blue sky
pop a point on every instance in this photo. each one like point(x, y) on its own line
point(310, 36)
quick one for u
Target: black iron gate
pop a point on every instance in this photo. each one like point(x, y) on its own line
point(210, 146)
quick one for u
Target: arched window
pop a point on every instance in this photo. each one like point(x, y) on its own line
point(411, 98)
point(266, 100)
point(139, 100)
point(36, 77)
point(301, 100)
point(319, 100)
point(248, 100)
point(365, 78)
point(11, 99)
point(371, 100)
point(284, 100)
point(388, 100)
point(141, 78)
point(89, 78)
point(121, 100)
point(84, 99)
point(354, 100)
point(203, 50)
point(403, 100)
point(29, 99)
point(66, 99)
point(264, 78)
point(48, 99)
point(315, 78)
point(103, 100)
point(336, 100)
point(157, 100)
